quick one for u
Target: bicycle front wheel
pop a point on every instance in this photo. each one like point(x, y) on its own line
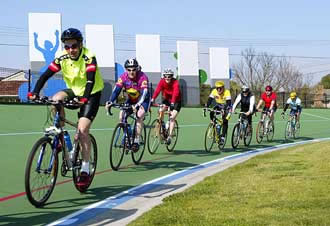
point(78, 161)
point(248, 135)
point(117, 147)
point(235, 136)
point(297, 130)
point(41, 172)
point(209, 138)
point(154, 137)
point(137, 156)
point(287, 133)
point(260, 132)
point(271, 131)
point(175, 134)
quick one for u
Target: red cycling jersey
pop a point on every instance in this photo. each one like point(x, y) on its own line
point(170, 91)
point(268, 99)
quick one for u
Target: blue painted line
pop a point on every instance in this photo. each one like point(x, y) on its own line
point(100, 207)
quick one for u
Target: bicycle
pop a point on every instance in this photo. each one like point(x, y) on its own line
point(265, 128)
point(241, 131)
point(123, 138)
point(42, 165)
point(159, 133)
point(213, 131)
point(292, 128)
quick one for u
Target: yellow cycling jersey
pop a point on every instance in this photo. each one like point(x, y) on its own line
point(74, 72)
point(220, 99)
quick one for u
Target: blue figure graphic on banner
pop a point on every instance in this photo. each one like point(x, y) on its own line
point(48, 52)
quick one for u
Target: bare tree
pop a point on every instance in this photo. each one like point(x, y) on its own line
point(260, 69)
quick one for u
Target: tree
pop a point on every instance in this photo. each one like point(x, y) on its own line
point(258, 70)
point(325, 81)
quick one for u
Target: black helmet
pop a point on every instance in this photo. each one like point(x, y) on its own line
point(71, 33)
point(245, 89)
point(131, 63)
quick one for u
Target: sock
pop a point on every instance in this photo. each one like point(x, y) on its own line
point(136, 140)
point(85, 167)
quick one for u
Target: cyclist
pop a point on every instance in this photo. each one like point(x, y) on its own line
point(295, 104)
point(269, 98)
point(222, 99)
point(84, 81)
point(135, 83)
point(247, 100)
point(170, 88)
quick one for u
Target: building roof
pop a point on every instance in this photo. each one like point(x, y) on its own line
point(12, 74)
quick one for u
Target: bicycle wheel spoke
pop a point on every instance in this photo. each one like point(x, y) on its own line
point(117, 147)
point(209, 138)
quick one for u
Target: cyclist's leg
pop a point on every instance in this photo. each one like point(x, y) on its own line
point(60, 96)
point(86, 116)
point(225, 124)
point(174, 114)
point(249, 118)
point(139, 121)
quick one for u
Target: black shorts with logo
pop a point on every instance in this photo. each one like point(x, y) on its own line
point(177, 106)
point(90, 109)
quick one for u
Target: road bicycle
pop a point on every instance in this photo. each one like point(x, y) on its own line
point(241, 131)
point(159, 132)
point(123, 137)
point(213, 131)
point(292, 128)
point(265, 128)
point(42, 165)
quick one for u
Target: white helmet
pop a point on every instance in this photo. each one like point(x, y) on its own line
point(168, 73)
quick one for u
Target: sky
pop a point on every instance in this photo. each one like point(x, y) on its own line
point(298, 29)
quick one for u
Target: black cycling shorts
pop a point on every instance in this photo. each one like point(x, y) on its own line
point(177, 106)
point(90, 109)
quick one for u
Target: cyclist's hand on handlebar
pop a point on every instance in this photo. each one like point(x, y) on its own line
point(136, 107)
point(172, 107)
point(107, 106)
point(32, 96)
point(82, 100)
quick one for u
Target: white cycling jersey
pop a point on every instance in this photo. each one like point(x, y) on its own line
point(294, 104)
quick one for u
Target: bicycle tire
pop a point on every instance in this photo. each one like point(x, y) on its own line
point(221, 146)
point(248, 136)
point(117, 147)
point(271, 131)
point(235, 136)
point(260, 132)
point(137, 156)
point(78, 161)
point(43, 190)
point(287, 132)
point(175, 135)
point(297, 130)
point(209, 136)
point(154, 137)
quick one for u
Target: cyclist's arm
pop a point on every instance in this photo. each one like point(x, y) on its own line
point(158, 89)
point(272, 104)
point(51, 70)
point(228, 104)
point(176, 91)
point(260, 103)
point(143, 96)
point(252, 102)
point(299, 107)
point(90, 73)
point(209, 101)
point(238, 99)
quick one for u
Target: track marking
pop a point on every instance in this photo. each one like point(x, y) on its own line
point(316, 116)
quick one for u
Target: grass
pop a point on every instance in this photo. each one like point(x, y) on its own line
point(288, 187)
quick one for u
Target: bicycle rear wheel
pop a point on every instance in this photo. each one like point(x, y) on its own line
point(175, 134)
point(271, 131)
point(260, 132)
point(209, 138)
point(137, 156)
point(41, 172)
point(154, 137)
point(117, 147)
point(248, 135)
point(235, 136)
point(78, 161)
point(297, 130)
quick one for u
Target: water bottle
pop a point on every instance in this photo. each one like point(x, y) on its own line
point(218, 127)
point(68, 141)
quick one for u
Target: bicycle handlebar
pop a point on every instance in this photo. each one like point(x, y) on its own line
point(47, 101)
point(212, 110)
point(123, 106)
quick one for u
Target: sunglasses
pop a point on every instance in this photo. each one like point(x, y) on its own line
point(131, 70)
point(73, 46)
point(168, 76)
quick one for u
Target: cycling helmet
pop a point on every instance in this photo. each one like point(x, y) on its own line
point(131, 63)
point(219, 84)
point(245, 89)
point(269, 88)
point(293, 95)
point(168, 73)
point(71, 33)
